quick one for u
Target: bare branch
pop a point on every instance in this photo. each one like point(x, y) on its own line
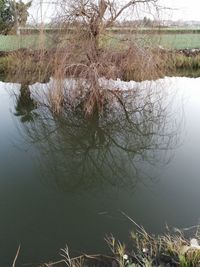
point(129, 4)
point(16, 256)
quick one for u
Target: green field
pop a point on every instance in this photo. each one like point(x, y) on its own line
point(166, 40)
point(177, 41)
point(12, 42)
point(169, 40)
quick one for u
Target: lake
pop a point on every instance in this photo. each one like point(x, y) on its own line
point(67, 179)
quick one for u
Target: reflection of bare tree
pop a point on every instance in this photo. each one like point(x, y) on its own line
point(104, 149)
point(25, 104)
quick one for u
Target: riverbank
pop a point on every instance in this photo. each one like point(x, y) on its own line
point(146, 250)
point(39, 65)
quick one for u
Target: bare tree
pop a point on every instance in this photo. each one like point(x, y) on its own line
point(84, 55)
point(97, 15)
point(80, 54)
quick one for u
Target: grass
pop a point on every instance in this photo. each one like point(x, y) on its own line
point(39, 67)
point(3, 65)
point(116, 43)
point(145, 250)
point(177, 41)
point(166, 40)
point(12, 42)
point(169, 41)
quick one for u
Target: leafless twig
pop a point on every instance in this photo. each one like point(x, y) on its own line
point(16, 256)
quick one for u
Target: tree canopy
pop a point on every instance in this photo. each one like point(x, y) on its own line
point(22, 11)
point(13, 14)
point(6, 21)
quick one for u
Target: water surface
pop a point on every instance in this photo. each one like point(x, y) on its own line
point(65, 180)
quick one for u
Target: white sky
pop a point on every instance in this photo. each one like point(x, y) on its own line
point(179, 10)
point(182, 9)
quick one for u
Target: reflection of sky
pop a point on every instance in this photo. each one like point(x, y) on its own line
point(6, 124)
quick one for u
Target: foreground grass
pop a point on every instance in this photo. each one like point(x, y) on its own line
point(146, 250)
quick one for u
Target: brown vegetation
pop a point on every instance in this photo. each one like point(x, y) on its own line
point(172, 249)
point(82, 55)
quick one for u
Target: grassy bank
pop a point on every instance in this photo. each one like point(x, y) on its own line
point(25, 66)
point(172, 249)
point(29, 66)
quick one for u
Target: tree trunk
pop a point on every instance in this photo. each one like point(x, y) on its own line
point(16, 19)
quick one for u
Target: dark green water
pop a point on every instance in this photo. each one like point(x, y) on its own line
point(65, 180)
